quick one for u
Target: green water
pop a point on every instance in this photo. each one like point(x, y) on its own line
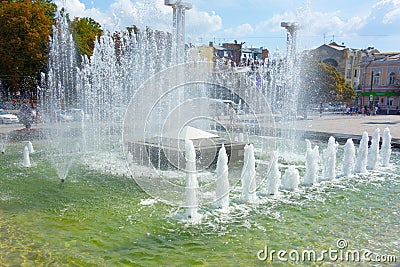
point(96, 219)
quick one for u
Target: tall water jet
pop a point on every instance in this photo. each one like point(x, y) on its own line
point(362, 155)
point(27, 161)
point(191, 185)
point(273, 181)
point(290, 179)
point(329, 160)
point(373, 151)
point(349, 158)
point(222, 183)
point(312, 167)
point(386, 149)
point(248, 176)
point(61, 92)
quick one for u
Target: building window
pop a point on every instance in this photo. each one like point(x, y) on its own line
point(348, 74)
point(392, 78)
point(390, 101)
point(377, 79)
point(355, 73)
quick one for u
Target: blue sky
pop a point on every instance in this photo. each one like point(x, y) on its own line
point(356, 23)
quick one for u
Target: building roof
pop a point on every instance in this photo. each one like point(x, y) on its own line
point(336, 46)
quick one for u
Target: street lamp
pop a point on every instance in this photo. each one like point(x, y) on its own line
point(179, 7)
point(291, 29)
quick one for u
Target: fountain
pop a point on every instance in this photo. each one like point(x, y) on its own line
point(248, 176)
point(362, 155)
point(192, 185)
point(3, 143)
point(373, 151)
point(312, 167)
point(349, 158)
point(27, 161)
point(386, 149)
point(329, 160)
point(290, 179)
point(222, 181)
point(93, 219)
point(273, 180)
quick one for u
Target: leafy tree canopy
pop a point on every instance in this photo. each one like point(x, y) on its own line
point(85, 31)
point(24, 34)
point(323, 83)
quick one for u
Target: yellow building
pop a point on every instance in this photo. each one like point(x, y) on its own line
point(345, 60)
point(202, 52)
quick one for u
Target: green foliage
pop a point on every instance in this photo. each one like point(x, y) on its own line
point(324, 83)
point(85, 31)
point(25, 28)
point(24, 41)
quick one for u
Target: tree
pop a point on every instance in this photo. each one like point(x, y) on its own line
point(323, 83)
point(85, 31)
point(24, 34)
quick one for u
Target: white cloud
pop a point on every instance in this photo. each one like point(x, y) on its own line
point(201, 23)
point(391, 16)
point(387, 10)
point(240, 31)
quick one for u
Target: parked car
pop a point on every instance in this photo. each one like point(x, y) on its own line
point(6, 117)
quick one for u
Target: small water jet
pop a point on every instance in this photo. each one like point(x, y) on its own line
point(191, 185)
point(222, 183)
point(329, 160)
point(386, 149)
point(290, 179)
point(3, 143)
point(273, 180)
point(241, 137)
point(248, 176)
point(373, 151)
point(312, 167)
point(349, 158)
point(30, 147)
point(27, 161)
point(362, 154)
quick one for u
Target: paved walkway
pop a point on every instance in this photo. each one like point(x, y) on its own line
point(343, 126)
point(351, 125)
point(328, 124)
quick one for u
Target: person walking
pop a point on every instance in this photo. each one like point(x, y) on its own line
point(26, 115)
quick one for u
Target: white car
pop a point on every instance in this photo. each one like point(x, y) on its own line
point(6, 117)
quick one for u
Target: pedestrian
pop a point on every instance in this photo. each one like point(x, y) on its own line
point(26, 115)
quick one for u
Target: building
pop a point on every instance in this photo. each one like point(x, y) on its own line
point(254, 56)
point(380, 82)
point(346, 60)
point(202, 52)
point(236, 51)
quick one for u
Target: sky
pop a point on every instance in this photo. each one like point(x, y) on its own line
point(356, 23)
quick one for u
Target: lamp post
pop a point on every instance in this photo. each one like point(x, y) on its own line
point(291, 29)
point(179, 8)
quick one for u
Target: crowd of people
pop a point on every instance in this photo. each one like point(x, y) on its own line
point(367, 110)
